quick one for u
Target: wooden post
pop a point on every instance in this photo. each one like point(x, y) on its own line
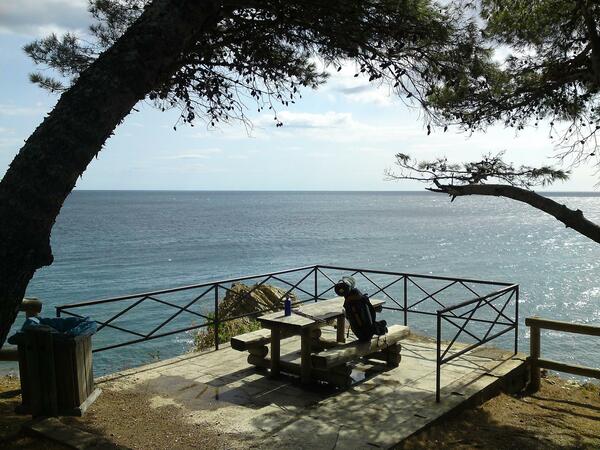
point(536, 363)
point(341, 329)
point(534, 351)
point(305, 358)
point(275, 350)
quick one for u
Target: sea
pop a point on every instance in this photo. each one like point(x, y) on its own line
point(114, 243)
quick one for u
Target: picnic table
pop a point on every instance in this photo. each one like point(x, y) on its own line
point(303, 321)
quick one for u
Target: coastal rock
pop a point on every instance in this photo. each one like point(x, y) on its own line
point(242, 299)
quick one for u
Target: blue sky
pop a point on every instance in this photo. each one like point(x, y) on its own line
point(340, 137)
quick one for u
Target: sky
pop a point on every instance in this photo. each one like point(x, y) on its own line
point(342, 136)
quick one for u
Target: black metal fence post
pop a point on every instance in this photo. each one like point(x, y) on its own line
point(517, 320)
point(58, 311)
point(216, 318)
point(405, 300)
point(438, 365)
point(316, 283)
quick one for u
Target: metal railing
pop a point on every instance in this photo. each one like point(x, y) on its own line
point(198, 293)
point(459, 302)
point(462, 315)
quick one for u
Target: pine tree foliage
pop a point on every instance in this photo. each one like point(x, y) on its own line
point(551, 74)
point(440, 172)
point(261, 54)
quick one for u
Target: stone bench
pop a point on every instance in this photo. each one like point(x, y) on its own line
point(254, 340)
point(384, 347)
point(330, 364)
point(258, 338)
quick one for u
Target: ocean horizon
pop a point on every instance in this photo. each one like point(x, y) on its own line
point(408, 192)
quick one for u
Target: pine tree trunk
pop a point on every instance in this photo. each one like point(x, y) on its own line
point(47, 167)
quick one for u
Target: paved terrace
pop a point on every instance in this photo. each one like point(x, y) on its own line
point(219, 388)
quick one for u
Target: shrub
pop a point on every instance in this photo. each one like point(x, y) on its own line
point(204, 339)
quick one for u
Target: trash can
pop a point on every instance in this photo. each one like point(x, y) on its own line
point(55, 365)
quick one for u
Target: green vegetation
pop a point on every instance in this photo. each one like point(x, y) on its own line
point(548, 70)
point(205, 338)
point(547, 73)
point(265, 52)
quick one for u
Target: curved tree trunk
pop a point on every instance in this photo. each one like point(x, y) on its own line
point(46, 168)
point(571, 219)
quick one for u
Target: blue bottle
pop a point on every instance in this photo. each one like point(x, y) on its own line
point(287, 306)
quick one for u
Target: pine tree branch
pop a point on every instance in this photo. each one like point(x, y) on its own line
point(571, 218)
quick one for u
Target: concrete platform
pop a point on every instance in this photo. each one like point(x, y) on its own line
point(220, 389)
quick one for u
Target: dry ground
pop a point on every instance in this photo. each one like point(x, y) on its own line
point(11, 435)
point(561, 415)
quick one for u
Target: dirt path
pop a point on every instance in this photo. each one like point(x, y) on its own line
point(126, 418)
point(562, 415)
point(130, 420)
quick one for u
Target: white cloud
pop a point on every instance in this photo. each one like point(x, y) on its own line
point(333, 127)
point(237, 157)
point(194, 154)
point(358, 89)
point(318, 155)
point(232, 131)
point(9, 140)
point(369, 94)
point(371, 150)
point(14, 110)
point(381, 137)
point(291, 119)
point(37, 18)
point(11, 144)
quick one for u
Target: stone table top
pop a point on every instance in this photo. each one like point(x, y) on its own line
point(321, 310)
